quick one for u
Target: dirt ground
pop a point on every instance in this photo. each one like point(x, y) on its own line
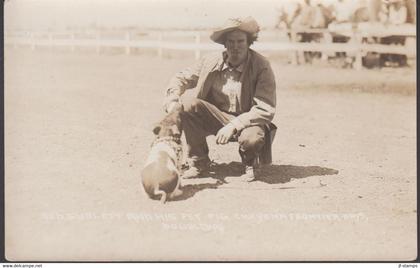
point(78, 129)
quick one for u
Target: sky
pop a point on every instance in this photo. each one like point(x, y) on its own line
point(59, 14)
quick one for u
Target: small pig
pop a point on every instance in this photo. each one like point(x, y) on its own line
point(160, 175)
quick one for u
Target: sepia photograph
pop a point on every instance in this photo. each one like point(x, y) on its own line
point(157, 130)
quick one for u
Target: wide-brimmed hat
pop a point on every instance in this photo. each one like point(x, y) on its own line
point(248, 25)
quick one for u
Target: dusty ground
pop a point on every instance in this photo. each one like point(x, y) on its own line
point(78, 128)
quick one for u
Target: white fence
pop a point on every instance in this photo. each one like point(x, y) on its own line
point(128, 40)
point(193, 41)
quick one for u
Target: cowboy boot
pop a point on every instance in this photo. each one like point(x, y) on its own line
point(197, 168)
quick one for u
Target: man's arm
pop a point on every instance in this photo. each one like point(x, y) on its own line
point(264, 102)
point(182, 81)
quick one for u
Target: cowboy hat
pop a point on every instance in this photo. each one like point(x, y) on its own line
point(248, 25)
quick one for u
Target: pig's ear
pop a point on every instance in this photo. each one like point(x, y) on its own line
point(179, 107)
point(176, 131)
point(156, 129)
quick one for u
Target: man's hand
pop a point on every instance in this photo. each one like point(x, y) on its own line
point(224, 134)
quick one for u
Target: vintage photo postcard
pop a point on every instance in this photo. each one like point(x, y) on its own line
point(156, 130)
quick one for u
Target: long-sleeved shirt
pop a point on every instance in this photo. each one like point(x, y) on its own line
point(257, 97)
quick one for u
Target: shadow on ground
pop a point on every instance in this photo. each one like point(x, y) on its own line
point(284, 173)
point(189, 190)
point(273, 174)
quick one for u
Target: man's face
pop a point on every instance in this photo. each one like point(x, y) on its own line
point(236, 46)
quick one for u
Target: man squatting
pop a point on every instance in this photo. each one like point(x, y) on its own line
point(235, 100)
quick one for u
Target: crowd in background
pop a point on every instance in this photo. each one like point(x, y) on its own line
point(316, 14)
point(341, 16)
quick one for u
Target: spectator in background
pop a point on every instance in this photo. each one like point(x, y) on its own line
point(345, 15)
point(393, 12)
point(283, 20)
point(397, 12)
point(287, 15)
point(383, 14)
point(342, 11)
point(302, 22)
point(361, 12)
point(396, 16)
point(304, 15)
point(374, 7)
point(321, 16)
point(411, 11)
point(327, 12)
point(312, 14)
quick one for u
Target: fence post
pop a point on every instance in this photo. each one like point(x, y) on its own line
point(327, 40)
point(98, 40)
point(32, 38)
point(160, 38)
point(72, 38)
point(127, 44)
point(359, 53)
point(6, 37)
point(9, 35)
point(197, 45)
point(50, 40)
point(295, 53)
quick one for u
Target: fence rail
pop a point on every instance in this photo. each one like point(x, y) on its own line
point(192, 41)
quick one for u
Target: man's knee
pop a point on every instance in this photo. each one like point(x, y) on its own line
point(190, 117)
point(252, 138)
point(191, 105)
